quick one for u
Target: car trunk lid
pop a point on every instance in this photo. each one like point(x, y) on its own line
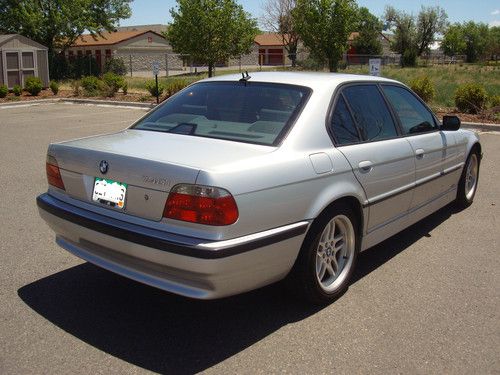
point(150, 163)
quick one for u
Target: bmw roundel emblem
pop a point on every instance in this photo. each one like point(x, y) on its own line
point(103, 166)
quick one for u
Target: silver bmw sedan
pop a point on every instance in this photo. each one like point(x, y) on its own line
point(237, 182)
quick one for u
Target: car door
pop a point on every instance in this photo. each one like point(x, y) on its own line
point(434, 150)
point(383, 162)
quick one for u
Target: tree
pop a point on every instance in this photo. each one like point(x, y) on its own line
point(493, 47)
point(476, 40)
point(369, 28)
point(430, 21)
point(405, 34)
point(453, 40)
point(412, 37)
point(470, 38)
point(210, 31)
point(58, 23)
point(324, 26)
point(278, 19)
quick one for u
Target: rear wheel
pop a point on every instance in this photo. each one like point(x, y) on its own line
point(328, 255)
point(467, 185)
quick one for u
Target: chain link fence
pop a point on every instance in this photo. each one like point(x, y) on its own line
point(173, 64)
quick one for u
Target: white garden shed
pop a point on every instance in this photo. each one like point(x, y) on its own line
point(20, 58)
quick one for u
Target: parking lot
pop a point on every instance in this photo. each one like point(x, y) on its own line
point(424, 301)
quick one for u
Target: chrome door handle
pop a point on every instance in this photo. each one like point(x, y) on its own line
point(419, 153)
point(365, 166)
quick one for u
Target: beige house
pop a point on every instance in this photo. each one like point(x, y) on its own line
point(20, 58)
point(137, 47)
point(271, 49)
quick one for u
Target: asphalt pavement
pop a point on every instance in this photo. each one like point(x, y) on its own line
point(425, 301)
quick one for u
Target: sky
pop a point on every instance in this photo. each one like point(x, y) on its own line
point(488, 11)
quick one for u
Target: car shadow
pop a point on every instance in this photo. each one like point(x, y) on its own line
point(165, 333)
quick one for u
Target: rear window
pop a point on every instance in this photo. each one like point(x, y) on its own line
point(249, 112)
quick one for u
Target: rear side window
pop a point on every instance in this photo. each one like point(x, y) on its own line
point(342, 124)
point(370, 112)
point(249, 112)
point(414, 117)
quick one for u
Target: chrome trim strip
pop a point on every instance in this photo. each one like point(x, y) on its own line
point(251, 237)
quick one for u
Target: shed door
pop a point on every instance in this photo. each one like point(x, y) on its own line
point(19, 65)
point(12, 68)
point(28, 67)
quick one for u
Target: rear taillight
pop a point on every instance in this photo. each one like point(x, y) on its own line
point(53, 173)
point(201, 204)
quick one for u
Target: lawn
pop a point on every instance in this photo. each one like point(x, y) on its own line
point(445, 78)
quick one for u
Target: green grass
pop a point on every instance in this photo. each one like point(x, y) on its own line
point(446, 79)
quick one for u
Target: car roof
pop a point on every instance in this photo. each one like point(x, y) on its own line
point(308, 79)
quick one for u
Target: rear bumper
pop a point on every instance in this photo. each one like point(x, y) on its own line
point(183, 265)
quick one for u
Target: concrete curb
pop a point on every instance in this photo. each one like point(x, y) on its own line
point(481, 127)
point(108, 102)
point(79, 101)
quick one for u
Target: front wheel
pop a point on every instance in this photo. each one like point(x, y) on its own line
point(328, 255)
point(467, 185)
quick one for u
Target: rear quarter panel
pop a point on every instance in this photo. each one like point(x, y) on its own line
point(283, 189)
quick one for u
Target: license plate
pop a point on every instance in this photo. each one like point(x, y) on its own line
point(109, 192)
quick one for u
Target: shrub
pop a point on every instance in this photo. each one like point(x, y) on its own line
point(409, 58)
point(175, 86)
point(54, 87)
point(494, 101)
point(82, 66)
point(310, 64)
point(424, 88)
point(125, 87)
point(17, 90)
point(471, 98)
point(151, 87)
point(91, 85)
point(3, 91)
point(112, 83)
point(115, 65)
point(76, 86)
point(33, 85)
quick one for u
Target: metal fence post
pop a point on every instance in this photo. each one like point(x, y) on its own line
point(166, 64)
point(130, 64)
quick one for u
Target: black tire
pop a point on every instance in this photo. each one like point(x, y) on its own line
point(304, 278)
point(465, 195)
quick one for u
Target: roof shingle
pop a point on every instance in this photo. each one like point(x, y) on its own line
point(108, 38)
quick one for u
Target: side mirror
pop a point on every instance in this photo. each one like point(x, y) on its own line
point(450, 123)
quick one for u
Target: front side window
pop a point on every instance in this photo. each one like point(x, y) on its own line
point(370, 112)
point(414, 117)
point(249, 112)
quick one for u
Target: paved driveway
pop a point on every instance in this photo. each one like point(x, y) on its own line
point(425, 301)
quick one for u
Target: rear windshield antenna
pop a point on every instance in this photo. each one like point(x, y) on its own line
point(245, 77)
